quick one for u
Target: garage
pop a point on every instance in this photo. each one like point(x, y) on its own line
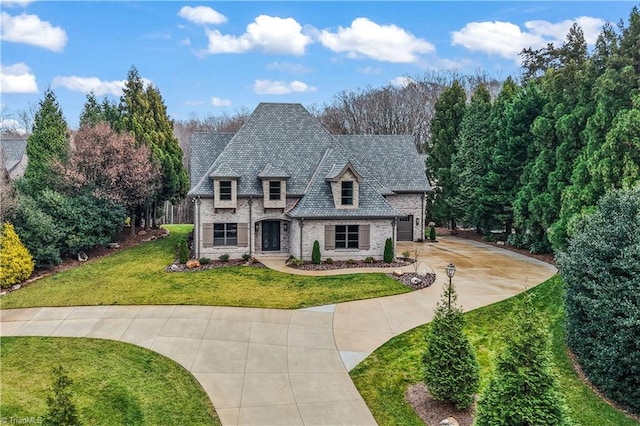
point(405, 228)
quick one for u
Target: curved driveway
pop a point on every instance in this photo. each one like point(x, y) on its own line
point(267, 366)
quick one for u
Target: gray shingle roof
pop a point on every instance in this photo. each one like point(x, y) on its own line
point(13, 149)
point(271, 171)
point(392, 159)
point(318, 201)
point(282, 134)
point(205, 148)
point(286, 141)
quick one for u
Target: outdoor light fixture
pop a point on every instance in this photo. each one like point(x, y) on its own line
point(417, 221)
point(285, 227)
point(451, 271)
point(257, 226)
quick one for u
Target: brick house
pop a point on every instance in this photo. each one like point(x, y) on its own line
point(282, 182)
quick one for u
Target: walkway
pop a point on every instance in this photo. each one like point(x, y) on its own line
point(268, 367)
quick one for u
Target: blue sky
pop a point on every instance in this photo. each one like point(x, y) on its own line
point(210, 58)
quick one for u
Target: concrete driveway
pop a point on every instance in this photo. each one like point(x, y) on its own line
point(269, 367)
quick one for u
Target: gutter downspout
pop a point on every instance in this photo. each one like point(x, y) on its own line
point(422, 219)
point(196, 231)
point(250, 230)
point(393, 235)
point(301, 226)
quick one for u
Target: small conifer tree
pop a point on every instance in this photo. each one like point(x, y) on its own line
point(452, 372)
point(523, 390)
point(16, 264)
point(315, 254)
point(432, 233)
point(62, 411)
point(388, 251)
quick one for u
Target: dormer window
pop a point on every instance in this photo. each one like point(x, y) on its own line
point(347, 193)
point(225, 190)
point(275, 189)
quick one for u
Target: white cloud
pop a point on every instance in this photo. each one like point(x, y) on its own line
point(365, 38)
point(215, 101)
point(30, 29)
point(401, 81)
point(12, 125)
point(268, 87)
point(507, 40)
point(202, 15)
point(558, 31)
point(268, 34)
point(496, 38)
point(16, 3)
point(17, 78)
point(288, 67)
point(186, 42)
point(90, 84)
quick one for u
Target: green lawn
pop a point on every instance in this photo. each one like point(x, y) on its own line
point(114, 383)
point(383, 377)
point(137, 276)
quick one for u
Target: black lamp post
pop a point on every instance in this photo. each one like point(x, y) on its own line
point(451, 271)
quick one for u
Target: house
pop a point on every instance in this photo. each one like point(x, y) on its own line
point(14, 155)
point(282, 182)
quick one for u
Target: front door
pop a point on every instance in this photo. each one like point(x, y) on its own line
point(405, 228)
point(271, 235)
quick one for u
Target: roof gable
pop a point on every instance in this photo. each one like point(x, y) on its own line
point(205, 148)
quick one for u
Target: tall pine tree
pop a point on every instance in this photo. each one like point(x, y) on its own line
point(470, 163)
point(47, 144)
point(445, 127)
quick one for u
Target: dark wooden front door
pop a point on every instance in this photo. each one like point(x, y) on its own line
point(271, 235)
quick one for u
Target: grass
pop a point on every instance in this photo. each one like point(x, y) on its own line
point(384, 376)
point(114, 383)
point(136, 276)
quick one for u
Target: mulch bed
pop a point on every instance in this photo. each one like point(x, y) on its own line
point(343, 264)
point(181, 267)
point(425, 280)
point(432, 412)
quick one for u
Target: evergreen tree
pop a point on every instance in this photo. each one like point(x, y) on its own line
point(452, 373)
point(47, 144)
point(92, 112)
point(143, 113)
point(523, 390)
point(470, 163)
point(601, 271)
point(445, 127)
point(62, 410)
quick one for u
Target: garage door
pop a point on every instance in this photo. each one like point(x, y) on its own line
point(405, 228)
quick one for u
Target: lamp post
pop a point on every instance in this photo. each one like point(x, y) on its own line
point(451, 271)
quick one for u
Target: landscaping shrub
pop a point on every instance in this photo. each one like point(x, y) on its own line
point(369, 259)
point(350, 262)
point(315, 254)
point(452, 373)
point(246, 257)
point(16, 264)
point(204, 260)
point(432, 233)
point(183, 251)
point(328, 261)
point(224, 257)
point(523, 390)
point(62, 410)
point(601, 271)
point(388, 251)
point(406, 254)
point(295, 262)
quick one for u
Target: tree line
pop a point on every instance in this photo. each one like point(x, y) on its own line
point(539, 157)
point(80, 186)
